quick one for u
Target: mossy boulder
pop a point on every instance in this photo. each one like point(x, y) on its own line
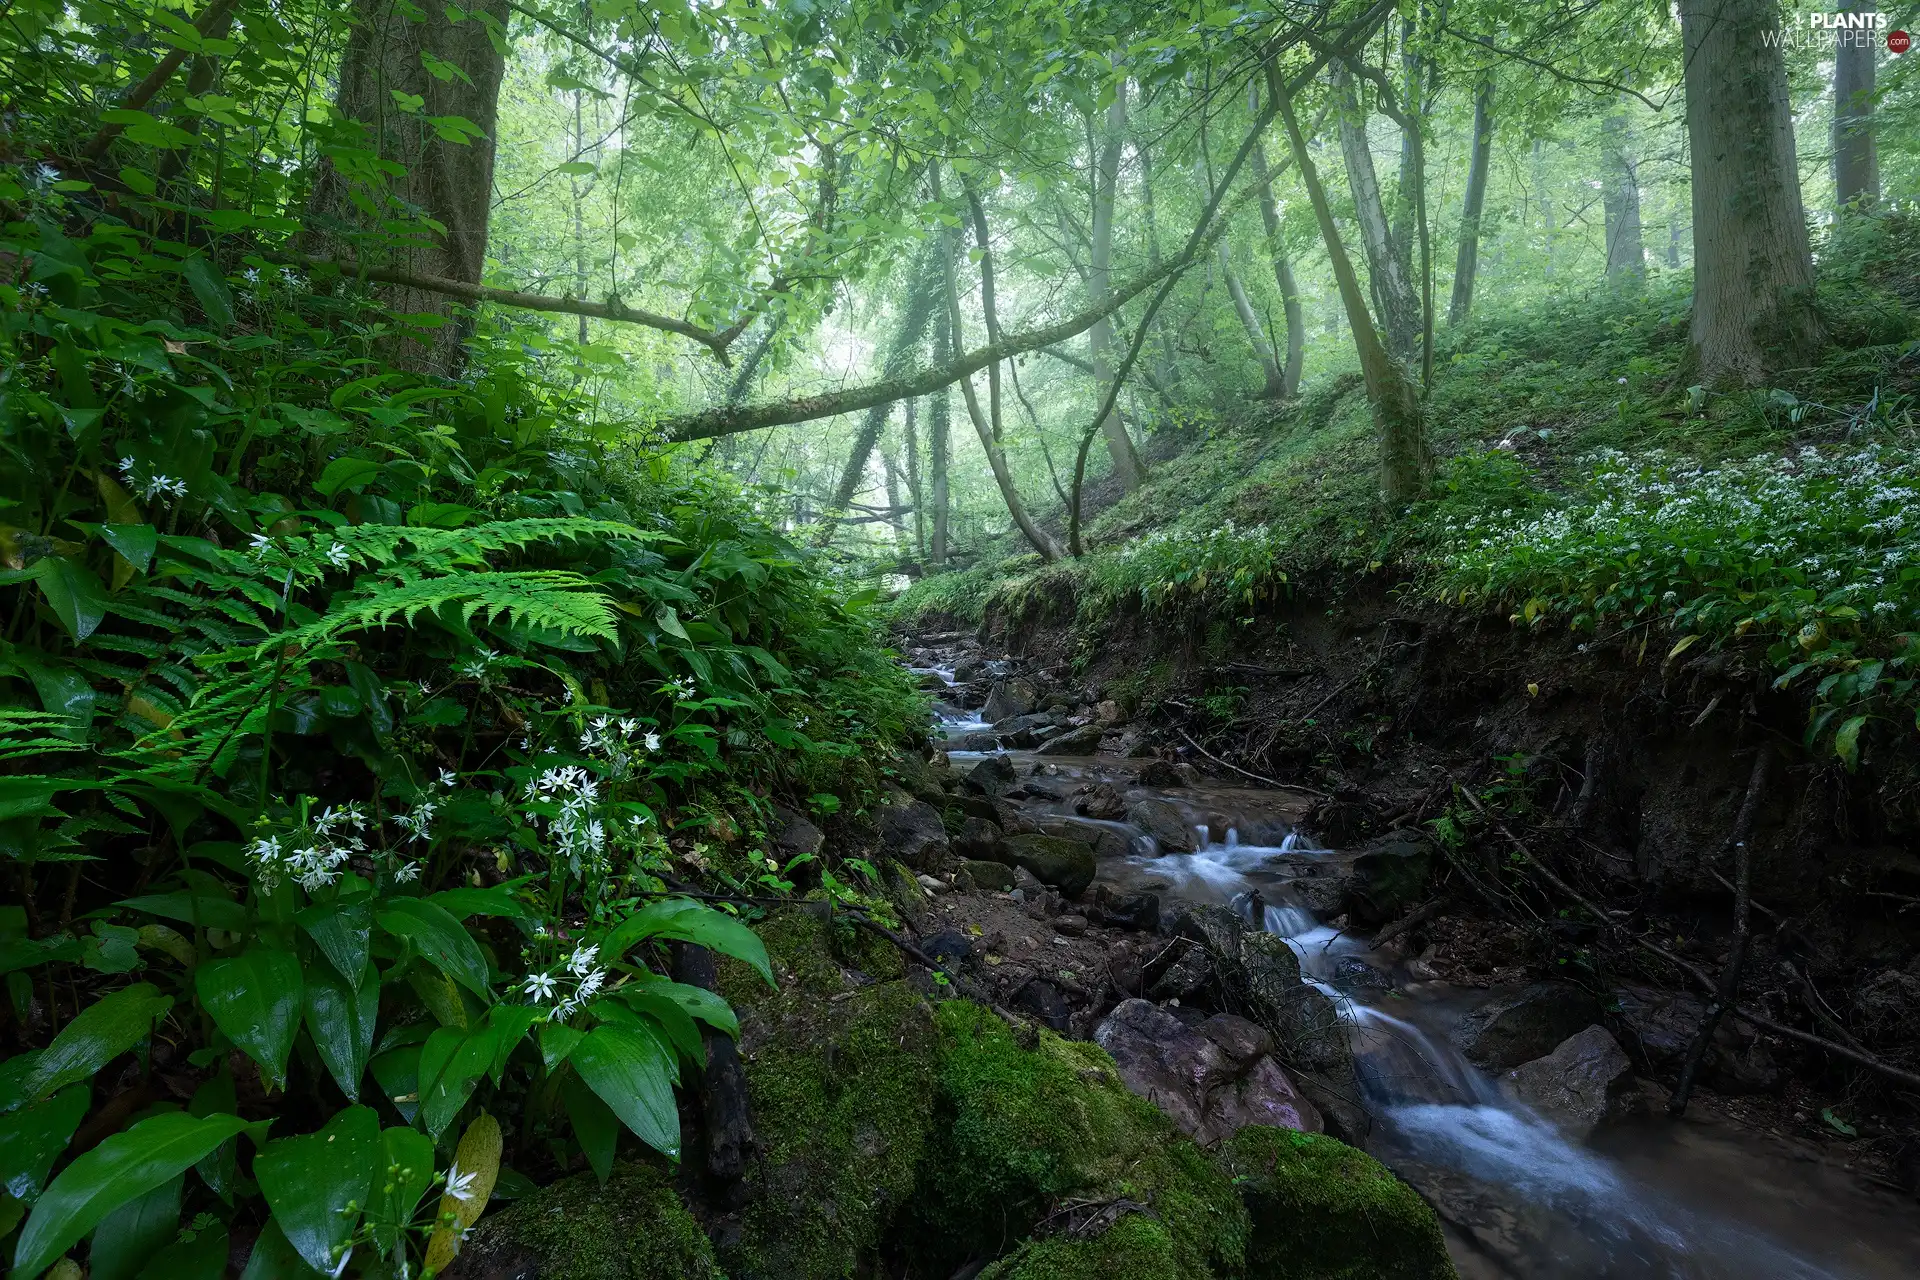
point(839, 1071)
point(1321, 1210)
point(1030, 1125)
point(633, 1228)
point(1136, 1247)
point(1067, 865)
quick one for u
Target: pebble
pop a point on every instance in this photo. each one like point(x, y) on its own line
point(1071, 925)
point(933, 885)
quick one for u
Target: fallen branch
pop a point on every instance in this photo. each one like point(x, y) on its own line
point(1284, 786)
point(1695, 972)
point(1411, 921)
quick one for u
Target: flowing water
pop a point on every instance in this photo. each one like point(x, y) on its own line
point(1696, 1199)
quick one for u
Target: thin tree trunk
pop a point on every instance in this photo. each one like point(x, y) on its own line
point(750, 367)
point(985, 426)
point(939, 441)
point(1392, 288)
point(1752, 265)
point(447, 182)
point(1242, 305)
point(1167, 370)
point(901, 355)
point(895, 516)
point(1126, 463)
point(913, 481)
point(1467, 264)
point(1282, 274)
point(1620, 194)
point(1856, 163)
point(1405, 464)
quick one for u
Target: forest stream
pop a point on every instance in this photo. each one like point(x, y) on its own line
point(1703, 1197)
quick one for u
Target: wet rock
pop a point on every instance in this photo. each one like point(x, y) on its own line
point(966, 672)
point(1158, 773)
point(976, 838)
point(1185, 978)
point(1352, 971)
point(1065, 864)
point(977, 741)
point(991, 777)
point(1585, 1082)
point(1211, 1080)
point(978, 806)
point(1659, 1027)
point(1072, 926)
point(933, 682)
point(1009, 698)
point(1103, 801)
point(1024, 724)
point(950, 947)
point(914, 834)
point(1165, 823)
point(984, 876)
point(1109, 712)
point(933, 884)
point(1517, 1026)
point(797, 837)
point(1084, 741)
point(1124, 970)
point(1046, 1002)
point(1138, 911)
point(1390, 876)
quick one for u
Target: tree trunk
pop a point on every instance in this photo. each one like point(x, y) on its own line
point(1405, 463)
point(901, 355)
point(895, 516)
point(1466, 265)
point(1856, 163)
point(939, 441)
point(1126, 463)
point(1166, 369)
point(1752, 266)
point(1388, 275)
point(449, 182)
point(1620, 194)
point(913, 481)
point(1282, 276)
point(988, 428)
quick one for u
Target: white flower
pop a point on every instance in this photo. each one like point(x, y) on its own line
point(126, 467)
point(540, 987)
point(460, 1185)
point(259, 543)
point(589, 984)
point(583, 957)
point(407, 872)
point(653, 742)
point(337, 555)
point(448, 778)
point(426, 690)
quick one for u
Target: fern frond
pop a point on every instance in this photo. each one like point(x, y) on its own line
point(557, 599)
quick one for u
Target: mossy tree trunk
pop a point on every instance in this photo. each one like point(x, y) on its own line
point(939, 445)
point(1126, 462)
point(1856, 163)
point(1282, 276)
point(1752, 264)
point(1406, 465)
point(1466, 263)
point(417, 151)
point(1388, 270)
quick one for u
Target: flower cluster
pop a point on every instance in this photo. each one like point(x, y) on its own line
point(578, 835)
point(313, 856)
point(154, 486)
point(569, 987)
point(1227, 560)
point(614, 740)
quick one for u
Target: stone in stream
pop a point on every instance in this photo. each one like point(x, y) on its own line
point(1185, 978)
point(1136, 911)
point(1067, 865)
point(1015, 697)
point(1259, 973)
point(984, 876)
point(979, 740)
point(1102, 800)
point(966, 672)
point(1390, 877)
point(1165, 823)
point(1211, 1080)
point(1516, 1026)
point(992, 776)
point(914, 834)
point(1083, 741)
point(1108, 712)
point(1585, 1082)
point(1158, 773)
point(977, 838)
point(1659, 1027)
point(1026, 723)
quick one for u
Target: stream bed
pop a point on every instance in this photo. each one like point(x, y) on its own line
point(1700, 1198)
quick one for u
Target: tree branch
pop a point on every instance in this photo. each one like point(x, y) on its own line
point(156, 79)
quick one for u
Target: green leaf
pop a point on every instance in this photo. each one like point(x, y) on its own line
point(1846, 742)
point(102, 1032)
point(131, 1234)
point(685, 920)
point(346, 473)
point(632, 1073)
point(439, 937)
point(99, 1181)
point(343, 932)
point(341, 1018)
point(1838, 1125)
point(500, 900)
point(398, 1074)
point(210, 289)
point(274, 1258)
point(75, 594)
point(406, 1165)
point(32, 1138)
point(668, 619)
point(510, 1023)
point(440, 515)
point(255, 998)
point(198, 909)
point(136, 543)
point(594, 1124)
point(202, 1258)
point(309, 1182)
point(557, 1043)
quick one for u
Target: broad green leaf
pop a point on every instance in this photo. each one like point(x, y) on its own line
point(346, 473)
point(1846, 742)
point(32, 1138)
point(701, 1003)
point(202, 1258)
point(220, 1170)
point(210, 289)
point(75, 594)
point(684, 920)
point(198, 909)
point(134, 542)
point(341, 1020)
point(99, 1181)
point(406, 1171)
point(470, 1179)
point(674, 1021)
point(557, 1043)
point(439, 937)
point(632, 1073)
point(398, 1074)
point(255, 998)
point(594, 1124)
point(451, 1064)
point(309, 1182)
point(131, 1234)
point(500, 900)
point(510, 1023)
point(342, 932)
point(275, 1258)
point(102, 1032)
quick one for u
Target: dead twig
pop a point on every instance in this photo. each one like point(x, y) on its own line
point(1285, 786)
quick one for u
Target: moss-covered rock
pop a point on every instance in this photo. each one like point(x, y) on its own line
point(1134, 1248)
point(840, 1072)
point(1322, 1210)
point(1026, 1129)
point(633, 1228)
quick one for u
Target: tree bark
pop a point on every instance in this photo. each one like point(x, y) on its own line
point(1856, 162)
point(449, 182)
point(913, 481)
point(1243, 306)
point(1282, 276)
point(1620, 195)
point(1752, 265)
point(939, 442)
point(1388, 275)
point(1405, 463)
point(1126, 463)
point(902, 353)
point(1466, 265)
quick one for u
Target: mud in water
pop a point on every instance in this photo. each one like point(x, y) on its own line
point(1699, 1198)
